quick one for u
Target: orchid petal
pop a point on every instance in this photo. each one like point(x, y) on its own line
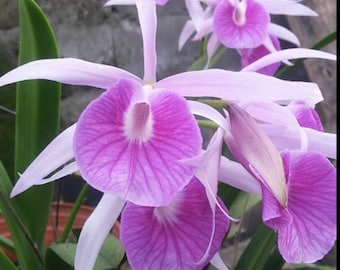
point(208, 164)
point(287, 7)
point(322, 142)
point(283, 33)
point(307, 226)
point(212, 46)
point(69, 71)
point(66, 170)
point(187, 30)
point(249, 56)
point(206, 28)
point(248, 32)
point(145, 171)
point(305, 115)
point(119, 2)
point(57, 153)
point(196, 12)
point(233, 86)
point(173, 236)
point(287, 54)
point(255, 151)
point(208, 112)
point(218, 263)
point(148, 23)
point(267, 42)
point(161, 2)
point(234, 174)
point(95, 230)
point(286, 138)
point(270, 113)
point(280, 117)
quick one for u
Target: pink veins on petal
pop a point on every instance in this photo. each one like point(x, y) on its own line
point(241, 26)
point(307, 226)
point(173, 236)
point(129, 142)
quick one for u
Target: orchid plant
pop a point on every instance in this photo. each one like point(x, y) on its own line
point(140, 143)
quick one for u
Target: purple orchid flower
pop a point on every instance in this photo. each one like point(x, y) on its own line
point(223, 84)
point(173, 236)
point(298, 189)
point(241, 24)
point(139, 116)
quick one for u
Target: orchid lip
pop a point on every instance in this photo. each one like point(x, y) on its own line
point(138, 122)
point(239, 17)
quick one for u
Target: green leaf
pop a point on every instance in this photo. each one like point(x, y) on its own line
point(37, 119)
point(6, 242)
point(5, 263)
point(110, 254)
point(313, 266)
point(275, 260)
point(260, 247)
point(61, 256)
point(24, 247)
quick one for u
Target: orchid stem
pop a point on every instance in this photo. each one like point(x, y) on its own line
point(74, 211)
point(207, 124)
point(216, 103)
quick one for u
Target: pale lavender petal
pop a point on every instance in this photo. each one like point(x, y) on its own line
point(270, 113)
point(283, 33)
point(57, 153)
point(120, 2)
point(247, 32)
point(187, 30)
point(207, 27)
point(249, 56)
point(95, 230)
point(287, 7)
point(256, 152)
point(161, 2)
point(307, 226)
point(288, 54)
point(323, 142)
point(208, 112)
point(212, 47)
point(173, 236)
point(147, 171)
point(235, 86)
point(69, 71)
point(148, 23)
point(279, 118)
point(196, 12)
point(286, 137)
point(218, 263)
point(66, 170)
point(305, 115)
point(234, 174)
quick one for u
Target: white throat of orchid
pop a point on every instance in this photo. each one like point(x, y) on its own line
point(239, 14)
point(138, 121)
point(167, 214)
